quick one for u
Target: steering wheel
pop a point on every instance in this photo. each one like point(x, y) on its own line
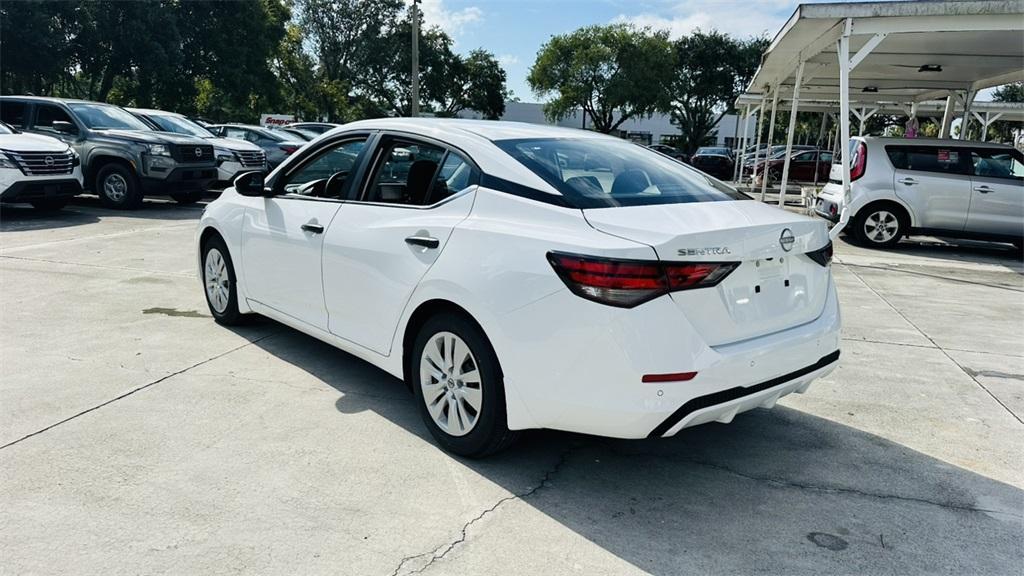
point(334, 185)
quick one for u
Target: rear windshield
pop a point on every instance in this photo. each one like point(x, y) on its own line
point(604, 173)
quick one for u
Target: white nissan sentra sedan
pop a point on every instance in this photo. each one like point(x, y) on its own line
point(520, 276)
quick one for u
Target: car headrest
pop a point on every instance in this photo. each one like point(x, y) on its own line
point(421, 173)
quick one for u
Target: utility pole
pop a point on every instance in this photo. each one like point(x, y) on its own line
point(415, 104)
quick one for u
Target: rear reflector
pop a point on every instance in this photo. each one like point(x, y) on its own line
point(677, 377)
point(628, 283)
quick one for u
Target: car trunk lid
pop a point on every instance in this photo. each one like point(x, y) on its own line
point(772, 289)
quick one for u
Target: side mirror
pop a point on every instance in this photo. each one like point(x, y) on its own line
point(250, 184)
point(64, 127)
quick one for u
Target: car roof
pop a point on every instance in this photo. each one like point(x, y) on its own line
point(51, 99)
point(153, 112)
point(488, 129)
point(932, 142)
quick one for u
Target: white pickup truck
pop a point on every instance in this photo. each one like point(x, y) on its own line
point(36, 169)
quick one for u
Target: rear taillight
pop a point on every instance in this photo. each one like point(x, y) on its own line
point(822, 255)
point(288, 148)
point(859, 161)
point(629, 283)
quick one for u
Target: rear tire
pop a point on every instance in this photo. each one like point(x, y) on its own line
point(219, 283)
point(880, 226)
point(459, 387)
point(118, 187)
point(187, 197)
point(50, 204)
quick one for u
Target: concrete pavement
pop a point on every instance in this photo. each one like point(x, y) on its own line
point(139, 437)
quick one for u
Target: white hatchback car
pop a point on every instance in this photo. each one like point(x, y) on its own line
point(520, 276)
point(951, 188)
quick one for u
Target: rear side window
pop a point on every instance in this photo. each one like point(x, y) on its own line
point(47, 114)
point(940, 159)
point(995, 163)
point(13, 113)
point(600, 173)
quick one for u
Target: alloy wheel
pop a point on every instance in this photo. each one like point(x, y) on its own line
point(218, 284)
point(115, 187)
point(450, 383)
point(881, 226)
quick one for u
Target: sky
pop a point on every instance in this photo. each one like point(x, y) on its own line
point(514, 30)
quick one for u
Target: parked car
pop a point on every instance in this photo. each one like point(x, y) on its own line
point(40, 170)
point(805, 166)
point(714, 161)
point(951, 188)
point(122, 158)
point(300, 133)
point(233, 156)
point(631, 298)
point(277, 145)
point(670, 151)
point(315, 127)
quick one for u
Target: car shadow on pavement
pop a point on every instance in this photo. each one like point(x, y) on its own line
point(951, 250)
point(88, 210)
point(775, 492)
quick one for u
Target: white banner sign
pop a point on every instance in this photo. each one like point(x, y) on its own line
point(273, 120)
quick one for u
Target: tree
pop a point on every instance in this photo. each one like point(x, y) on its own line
point(613, 73)
point(475, 82)
point(1001, 130)
point(712, 70)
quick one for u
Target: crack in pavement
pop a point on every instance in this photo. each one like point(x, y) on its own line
point(937, 276)
point(134, 390)
point(100, 266)
point(782, 482)
point(936, 344)
point(441, 551)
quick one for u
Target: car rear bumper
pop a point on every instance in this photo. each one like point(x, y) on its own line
point(595, 385)
point(31, 190)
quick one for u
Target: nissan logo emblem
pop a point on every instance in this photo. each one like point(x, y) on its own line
point(48, 160)
point(199, 152)
point(786, 240)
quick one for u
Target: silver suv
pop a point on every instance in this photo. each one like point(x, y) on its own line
point(951, 188)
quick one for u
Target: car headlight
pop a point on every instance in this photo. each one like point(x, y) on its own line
point(6, 162)
point(224, 155)
point(159, 150)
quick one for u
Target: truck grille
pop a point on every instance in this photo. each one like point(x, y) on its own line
point(252, 159)
point(43, 163)
point(192, 153)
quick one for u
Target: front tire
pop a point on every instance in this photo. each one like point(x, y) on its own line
point(118, 187)
point(459, 387)
point(879, 226)
point(219, 283)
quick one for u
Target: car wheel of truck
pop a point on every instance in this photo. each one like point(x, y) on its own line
point(219, 283)
point(879, 226)
point(50, 204)
point(117, 187)
point(457, 381)
point(187, 197)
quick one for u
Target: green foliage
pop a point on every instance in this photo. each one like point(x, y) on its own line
point(613, 73)
point(1002, 130)
point(711, 71)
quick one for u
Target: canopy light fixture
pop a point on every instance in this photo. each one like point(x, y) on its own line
point(930, 68)
point(870, 89)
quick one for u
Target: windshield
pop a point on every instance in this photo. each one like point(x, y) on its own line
point(705, 150)
point(5, 129)
point(179, 125)
point(600, 173)
point(103, 116)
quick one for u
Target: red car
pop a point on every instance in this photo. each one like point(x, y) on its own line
point(802, 167)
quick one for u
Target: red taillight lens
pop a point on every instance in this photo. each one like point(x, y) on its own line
point(860, 161)
point(628, 283)
point(288, 149)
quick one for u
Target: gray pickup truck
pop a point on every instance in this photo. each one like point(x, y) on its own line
point(123, 160)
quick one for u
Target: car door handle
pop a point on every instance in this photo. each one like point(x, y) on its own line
point(984, 189)
point(313, 227)
point(908, 181)
point(425, 241)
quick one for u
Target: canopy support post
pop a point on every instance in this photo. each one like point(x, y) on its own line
point(771, 134)
point(760, 129)
point(843, 48)
point(738, 168)
point(947, 116)
point(789, 136)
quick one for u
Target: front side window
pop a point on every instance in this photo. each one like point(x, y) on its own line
point(13, 113)
point(939, 159)
point(328, 175)
point(47, 114)
point(804, 157)
point(600, 173)
point(103, 117)
point(826, 157)
point(995, 163)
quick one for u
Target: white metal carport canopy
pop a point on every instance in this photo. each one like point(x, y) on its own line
point(890, 51)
